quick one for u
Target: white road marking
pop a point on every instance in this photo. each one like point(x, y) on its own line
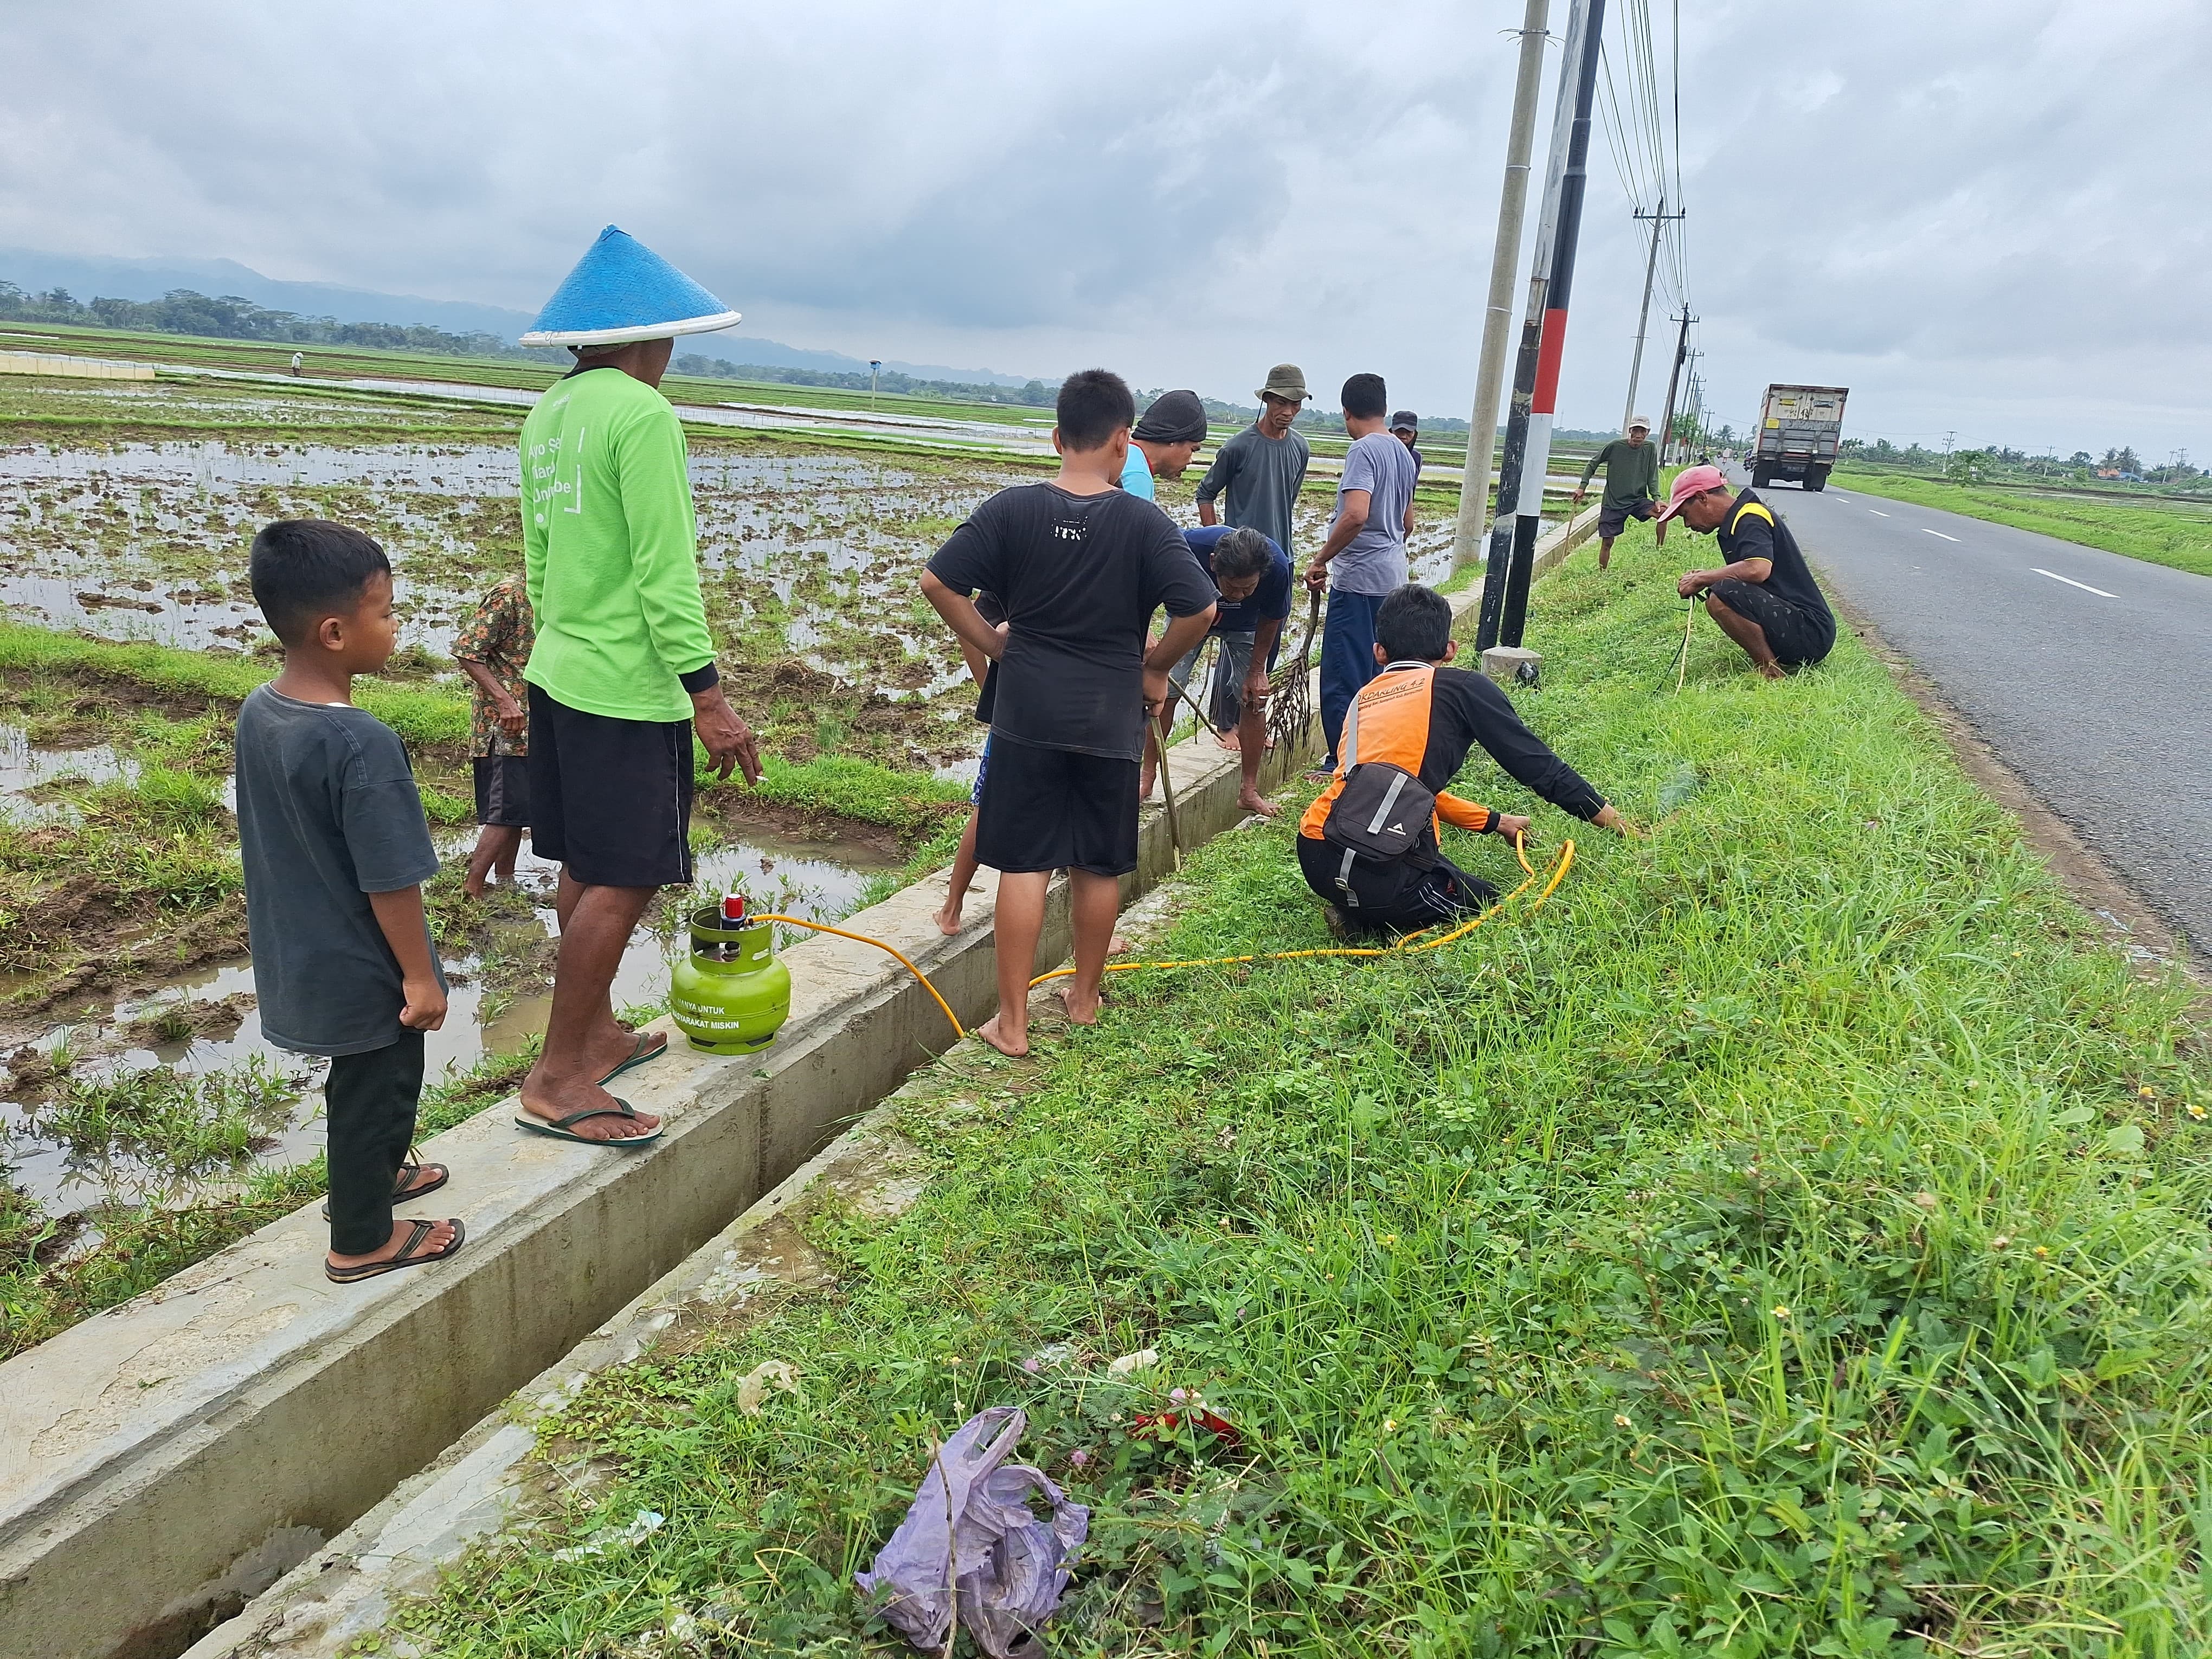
point(2071, 582)
point(1877, 512)
point(1925, 531)
point(1839, 494)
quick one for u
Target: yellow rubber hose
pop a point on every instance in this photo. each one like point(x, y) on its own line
point(1405, 946)
point(824, 927)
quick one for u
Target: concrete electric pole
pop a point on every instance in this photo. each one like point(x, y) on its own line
point(1681, 352)
point(1543, 337)
point(1643, 312)
point(1498, 317)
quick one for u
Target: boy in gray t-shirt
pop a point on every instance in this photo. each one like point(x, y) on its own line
point(334, 849)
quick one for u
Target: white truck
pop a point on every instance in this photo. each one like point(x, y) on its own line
point(1799, 429)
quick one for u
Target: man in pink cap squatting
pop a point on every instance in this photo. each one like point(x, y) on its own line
point(1763, 598)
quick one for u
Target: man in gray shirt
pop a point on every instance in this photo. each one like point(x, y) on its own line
point(1362, 561)
point(1263, 466)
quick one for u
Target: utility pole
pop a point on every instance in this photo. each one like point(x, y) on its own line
point(1681, 352)
point(875, 368)
point(1947, 451)
point(1498, 316)
point(1543, 337)
point(1643, 312)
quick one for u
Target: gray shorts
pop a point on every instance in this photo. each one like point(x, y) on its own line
point(1224, 706)
point(1612, 520)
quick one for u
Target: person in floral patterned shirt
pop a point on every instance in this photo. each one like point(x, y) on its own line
point(492, 648)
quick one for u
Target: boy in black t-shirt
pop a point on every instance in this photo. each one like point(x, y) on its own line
point(334, 849)
point(1765, 597)
point(1079, 566)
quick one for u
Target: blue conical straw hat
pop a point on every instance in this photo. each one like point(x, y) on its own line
point(621, 291)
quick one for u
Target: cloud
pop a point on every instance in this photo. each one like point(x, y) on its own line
point(1979, 212)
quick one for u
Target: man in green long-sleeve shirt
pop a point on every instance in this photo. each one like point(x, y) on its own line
point(621, 673)
point(1632, 486)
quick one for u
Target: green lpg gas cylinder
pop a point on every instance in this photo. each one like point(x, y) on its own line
point(730, 994)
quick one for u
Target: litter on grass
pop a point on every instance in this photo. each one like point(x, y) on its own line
point(752, 1391)
point(646, 1524)
point(971, 1542)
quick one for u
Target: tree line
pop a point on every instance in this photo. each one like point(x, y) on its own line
point(229, 317)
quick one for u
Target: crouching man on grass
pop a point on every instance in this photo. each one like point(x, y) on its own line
point(1405, 738)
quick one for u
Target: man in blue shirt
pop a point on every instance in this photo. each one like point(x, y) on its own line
point(1253, 577)
point(1366, 546)
point(1166, 436)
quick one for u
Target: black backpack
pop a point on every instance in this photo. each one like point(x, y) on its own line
point(1381, 813)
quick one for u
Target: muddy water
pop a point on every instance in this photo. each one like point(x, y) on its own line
point(815, 879)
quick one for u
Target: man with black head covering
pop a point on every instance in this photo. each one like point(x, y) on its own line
point(1167, 435)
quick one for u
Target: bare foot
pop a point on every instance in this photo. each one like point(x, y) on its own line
point(1253, 801)
point(1227, 740)
point(553, 1099)
point(1013, 1047)
point(473, 887)
point(1078, 1013)
point(440, 1236)
point(1117, 946)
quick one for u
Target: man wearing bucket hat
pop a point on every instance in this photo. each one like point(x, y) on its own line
point(1632, 486)
point(1763, 598)
point(1262, 467)
point(622, 672)
point(1166, 436)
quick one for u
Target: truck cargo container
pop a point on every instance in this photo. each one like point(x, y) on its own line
point(1799, 430)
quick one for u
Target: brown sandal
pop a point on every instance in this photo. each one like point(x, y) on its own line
point(406, 1258)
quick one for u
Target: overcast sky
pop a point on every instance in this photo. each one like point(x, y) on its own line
point(1985, 215)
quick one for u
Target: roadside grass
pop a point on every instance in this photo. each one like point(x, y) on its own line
point(2147, 529)
point(1789, 1240)
point(47, 1285)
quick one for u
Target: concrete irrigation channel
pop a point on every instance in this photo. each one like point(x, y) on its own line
point(165, 1463)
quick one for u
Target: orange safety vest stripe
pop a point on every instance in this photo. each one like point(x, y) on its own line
point(1388, 721)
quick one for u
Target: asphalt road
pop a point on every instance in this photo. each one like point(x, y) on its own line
point(2089, 674)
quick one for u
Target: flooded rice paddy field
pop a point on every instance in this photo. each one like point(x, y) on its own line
point(810, 558)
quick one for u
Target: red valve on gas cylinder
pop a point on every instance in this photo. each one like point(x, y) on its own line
point(734, 907)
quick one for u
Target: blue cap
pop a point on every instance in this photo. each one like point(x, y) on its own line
point(622, 290)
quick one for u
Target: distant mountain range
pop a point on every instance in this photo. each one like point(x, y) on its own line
point(91, 275)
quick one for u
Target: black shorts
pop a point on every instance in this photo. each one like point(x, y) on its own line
point(1612, 520)
point(502, 791)
point(609, 798)
point(1052, 809)
point(1796, 638)
point(1394, 897)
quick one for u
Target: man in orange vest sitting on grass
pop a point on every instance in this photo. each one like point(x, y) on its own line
point(1370, 844)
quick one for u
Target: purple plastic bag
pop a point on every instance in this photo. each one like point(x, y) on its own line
point(971, 1534)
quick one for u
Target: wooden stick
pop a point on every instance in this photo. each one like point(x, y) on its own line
point(1167, 790)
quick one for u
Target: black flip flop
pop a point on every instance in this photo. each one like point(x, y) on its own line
point(639, 1055)
point(406, 1258)
point(558, 1127)
point(401, 1192)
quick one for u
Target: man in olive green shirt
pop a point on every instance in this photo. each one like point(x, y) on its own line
point(1632, 486)
point(621, 673)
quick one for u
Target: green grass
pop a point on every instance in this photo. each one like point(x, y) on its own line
point(2157, 533)
point(423, 715)
point(1790, 1240)
point(912, 803)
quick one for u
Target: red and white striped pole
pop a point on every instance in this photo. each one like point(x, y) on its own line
point(1543, 338)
